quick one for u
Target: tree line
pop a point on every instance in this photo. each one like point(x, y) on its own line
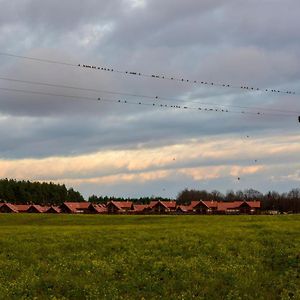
point(272, 200)
point(26, 192)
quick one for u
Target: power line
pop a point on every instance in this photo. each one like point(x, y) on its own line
point(143, 96)
point(140, 103)
point(155, 76)
point(39, 59)
point(184, 80)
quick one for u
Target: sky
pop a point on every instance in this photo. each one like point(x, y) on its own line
point(118, 149)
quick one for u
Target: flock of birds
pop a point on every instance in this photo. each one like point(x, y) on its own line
point(135, 73)
point(243, 87)
point(163, 77)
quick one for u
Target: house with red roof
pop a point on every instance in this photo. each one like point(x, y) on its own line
point(8, 208)
point(238, 207)
point(148, 208)
point(52, 210)
point(75, 207)
point(36, 209)
point(82, 207)
point(158, 207)
point(249, 207)
point(205, 207)
point(97, 208)
point(181, 209)
point(140, 208)
point(189, 209)
point(114, 207)
point(22, 208)
point(164, 207)
point(152, 203)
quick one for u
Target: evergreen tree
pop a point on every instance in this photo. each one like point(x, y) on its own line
point(26, 192)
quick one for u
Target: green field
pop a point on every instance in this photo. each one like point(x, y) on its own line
point(149, 257)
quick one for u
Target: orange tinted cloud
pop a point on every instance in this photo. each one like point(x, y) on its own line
point(199, 159)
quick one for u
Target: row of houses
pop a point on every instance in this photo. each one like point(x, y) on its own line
point(128, 207)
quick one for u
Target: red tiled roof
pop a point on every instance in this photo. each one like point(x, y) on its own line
point(39, 208)
point(184, 208)
point(210, 204)
point(237, 203)
point(222, 206)
point(128, 205)
point(12, 207)
point(53, 208)
point(22, 207)
point(70, 206)
point(168, 204)
point(140, 207)
point(254, 204)
point(194, 203)
point(99, 208)
point(122, 204)
point(152, 203)
point(78, 205)
point(75, 206)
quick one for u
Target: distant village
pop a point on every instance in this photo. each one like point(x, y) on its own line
point(129, 207)
point(35, 197)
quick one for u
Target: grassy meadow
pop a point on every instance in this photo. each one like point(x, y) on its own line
point(149, 257)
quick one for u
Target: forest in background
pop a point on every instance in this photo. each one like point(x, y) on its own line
point(26, 192)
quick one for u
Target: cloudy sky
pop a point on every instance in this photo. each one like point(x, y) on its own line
point(114, 149)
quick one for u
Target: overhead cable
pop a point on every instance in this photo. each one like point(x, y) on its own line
point(244, 87)
point(142, 103)
point(156, 98)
